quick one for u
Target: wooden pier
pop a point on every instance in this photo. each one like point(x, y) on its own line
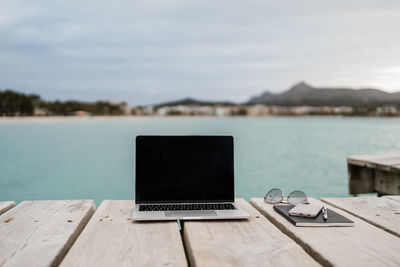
point(371, 173)
point(73, 233)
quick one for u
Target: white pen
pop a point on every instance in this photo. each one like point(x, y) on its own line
point(325, 213)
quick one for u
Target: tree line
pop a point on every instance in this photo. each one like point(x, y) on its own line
point(14, 103)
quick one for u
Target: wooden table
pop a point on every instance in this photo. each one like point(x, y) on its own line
point(70, 233)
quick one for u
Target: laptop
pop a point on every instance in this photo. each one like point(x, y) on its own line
point(185, 178)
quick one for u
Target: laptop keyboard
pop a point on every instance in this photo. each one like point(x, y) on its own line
point(190, 213)
point(202, 206)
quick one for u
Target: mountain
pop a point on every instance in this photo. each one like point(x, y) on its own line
point(304, 94)
point(194, 102)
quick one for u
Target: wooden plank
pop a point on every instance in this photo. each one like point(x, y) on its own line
point(39, 233)
point(360, 245)
point(112, 239)
point(396, 167)
point(384, 158)
point(6, 205)
point(381, 212)
point(386, 183)
point(388, 161)
point(361, 179)
point(396, 198)
point(253, 242)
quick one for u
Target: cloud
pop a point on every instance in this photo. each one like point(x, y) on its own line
point(150, 51)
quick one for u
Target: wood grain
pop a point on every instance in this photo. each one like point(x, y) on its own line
point(360, 245)
point(6, 205)
point(395, 198)
point(386, 183)
point(253, 242)
point(39, 233)
point(386, 162)
point(112, 239)
point(381, 212)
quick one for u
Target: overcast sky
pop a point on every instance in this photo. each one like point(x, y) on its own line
point(152, 51)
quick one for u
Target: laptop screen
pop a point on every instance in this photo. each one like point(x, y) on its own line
point(184, 169)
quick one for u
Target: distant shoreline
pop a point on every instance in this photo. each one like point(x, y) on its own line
point(102, 118)
point(68, 118)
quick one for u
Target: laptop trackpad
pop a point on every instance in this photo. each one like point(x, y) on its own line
point(190, 213)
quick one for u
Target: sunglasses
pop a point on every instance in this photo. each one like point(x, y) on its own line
point(275, 196)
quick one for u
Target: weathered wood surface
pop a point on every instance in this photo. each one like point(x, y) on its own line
point(253, 242)
point(39, 233)
point(360, 245)
point(6, 205)
point(386, 183)
point(387, 162)
point(112, 239)
point(381, 212)
point(396, 198)
point(374, 173)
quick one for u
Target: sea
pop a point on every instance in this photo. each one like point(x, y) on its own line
point(94, 158)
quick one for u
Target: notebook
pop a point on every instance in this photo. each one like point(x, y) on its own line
point(334, 218)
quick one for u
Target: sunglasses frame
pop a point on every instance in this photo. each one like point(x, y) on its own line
point(287, 201)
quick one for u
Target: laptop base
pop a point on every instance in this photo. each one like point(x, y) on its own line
point(173, 215)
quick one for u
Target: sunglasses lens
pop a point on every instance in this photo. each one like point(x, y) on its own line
point(273, 196)
point(297, 197)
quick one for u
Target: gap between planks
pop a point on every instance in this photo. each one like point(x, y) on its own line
point(181, 226)
point(6, 205)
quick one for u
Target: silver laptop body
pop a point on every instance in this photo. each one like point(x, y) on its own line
point(185, 178)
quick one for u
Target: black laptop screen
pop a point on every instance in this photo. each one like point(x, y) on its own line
point(184, 169)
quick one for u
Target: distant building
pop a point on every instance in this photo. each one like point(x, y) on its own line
point(40, 112)
point(261, 110)
point(222, 111)
point(343, 110)
point(147, 111)
point(81, 113)
point(258, 110)
point(387, 111)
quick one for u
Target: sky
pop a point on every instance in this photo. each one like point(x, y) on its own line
point(147, 52)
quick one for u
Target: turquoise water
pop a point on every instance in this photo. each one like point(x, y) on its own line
point(94, 158)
